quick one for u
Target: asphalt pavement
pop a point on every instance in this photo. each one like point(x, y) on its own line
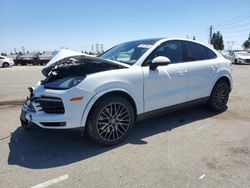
point(189, 148)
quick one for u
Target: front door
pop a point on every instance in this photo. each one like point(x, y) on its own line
point(167, 85)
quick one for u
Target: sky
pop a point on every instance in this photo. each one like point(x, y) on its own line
point(77, 24)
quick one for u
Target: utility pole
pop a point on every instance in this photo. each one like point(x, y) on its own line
point(97, 48)
point(210, 34)
point(102, 48)
point(23, 49)
point(92, 48)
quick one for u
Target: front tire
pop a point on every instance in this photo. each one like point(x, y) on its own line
point(5, 65)
point(111, 120)
point(219, 96)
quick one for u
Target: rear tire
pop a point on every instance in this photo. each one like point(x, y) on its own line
point(5, 65)
point(219, 96)
point(110, 120)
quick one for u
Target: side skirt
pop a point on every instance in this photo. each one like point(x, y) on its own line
point(161, 111)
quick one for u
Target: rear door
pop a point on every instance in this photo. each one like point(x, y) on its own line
point(202, 66)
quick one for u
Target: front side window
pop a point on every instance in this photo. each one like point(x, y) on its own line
point(197, 52)
point(129, 52)
point(170, 49)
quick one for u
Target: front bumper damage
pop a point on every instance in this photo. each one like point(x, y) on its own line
point(52, 109)
point(26, 117)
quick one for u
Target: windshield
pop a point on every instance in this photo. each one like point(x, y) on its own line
point(129, 52)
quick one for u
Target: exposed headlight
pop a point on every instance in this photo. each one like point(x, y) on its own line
point(64, 83)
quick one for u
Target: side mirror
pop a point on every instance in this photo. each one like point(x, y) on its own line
point(159, 61)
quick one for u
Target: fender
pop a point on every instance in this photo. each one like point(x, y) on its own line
point(223, 73)
point(100, 94)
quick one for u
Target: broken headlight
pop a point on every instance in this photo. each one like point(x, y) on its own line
point(64, 83)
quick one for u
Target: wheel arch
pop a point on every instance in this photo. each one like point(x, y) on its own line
point(99, 96)
point(5, 63)
point(222, 77)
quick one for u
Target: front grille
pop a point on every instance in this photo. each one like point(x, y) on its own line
point(51, 105)
point(247, 60)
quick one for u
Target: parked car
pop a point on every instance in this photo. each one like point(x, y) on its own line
point(107, 94)
point(15, 57)
point(6, 62)
point(227, 55)
point(241, 57)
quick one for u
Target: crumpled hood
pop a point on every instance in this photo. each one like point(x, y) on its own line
point(65, 53)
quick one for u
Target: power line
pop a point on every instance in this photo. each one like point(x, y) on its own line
point(238, 31)
point(235, 26)
point(235, 19)
point(234, 36)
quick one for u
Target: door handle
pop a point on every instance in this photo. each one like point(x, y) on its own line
point(214, 67)
point(183, 72)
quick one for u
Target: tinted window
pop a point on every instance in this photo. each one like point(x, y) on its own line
point(196, 52)
point(170, 49)
point(1, 58)
point(210, 54)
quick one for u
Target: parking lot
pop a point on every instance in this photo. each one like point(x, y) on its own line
point(15, 81)
point(189, 148)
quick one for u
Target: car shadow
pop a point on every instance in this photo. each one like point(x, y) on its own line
point(41, 148)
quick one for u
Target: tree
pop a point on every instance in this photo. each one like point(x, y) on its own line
point(217, 41)
point(246, 44)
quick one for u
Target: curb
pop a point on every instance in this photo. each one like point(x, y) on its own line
point(12, 102)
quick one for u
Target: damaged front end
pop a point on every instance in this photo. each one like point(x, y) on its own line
point(48, 106)
point(45, 104)
point(69, 71)
point(26, 121)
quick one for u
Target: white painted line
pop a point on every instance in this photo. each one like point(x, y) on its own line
point(201, 177)
point(51, 182)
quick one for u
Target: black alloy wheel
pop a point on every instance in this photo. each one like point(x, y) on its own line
point(111, 120)
point(219, 96)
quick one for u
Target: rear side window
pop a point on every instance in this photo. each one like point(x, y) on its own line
point(1, 58)
point(197, 52)
point(210, 54)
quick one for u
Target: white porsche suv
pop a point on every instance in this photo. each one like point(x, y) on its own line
point(131, 81)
